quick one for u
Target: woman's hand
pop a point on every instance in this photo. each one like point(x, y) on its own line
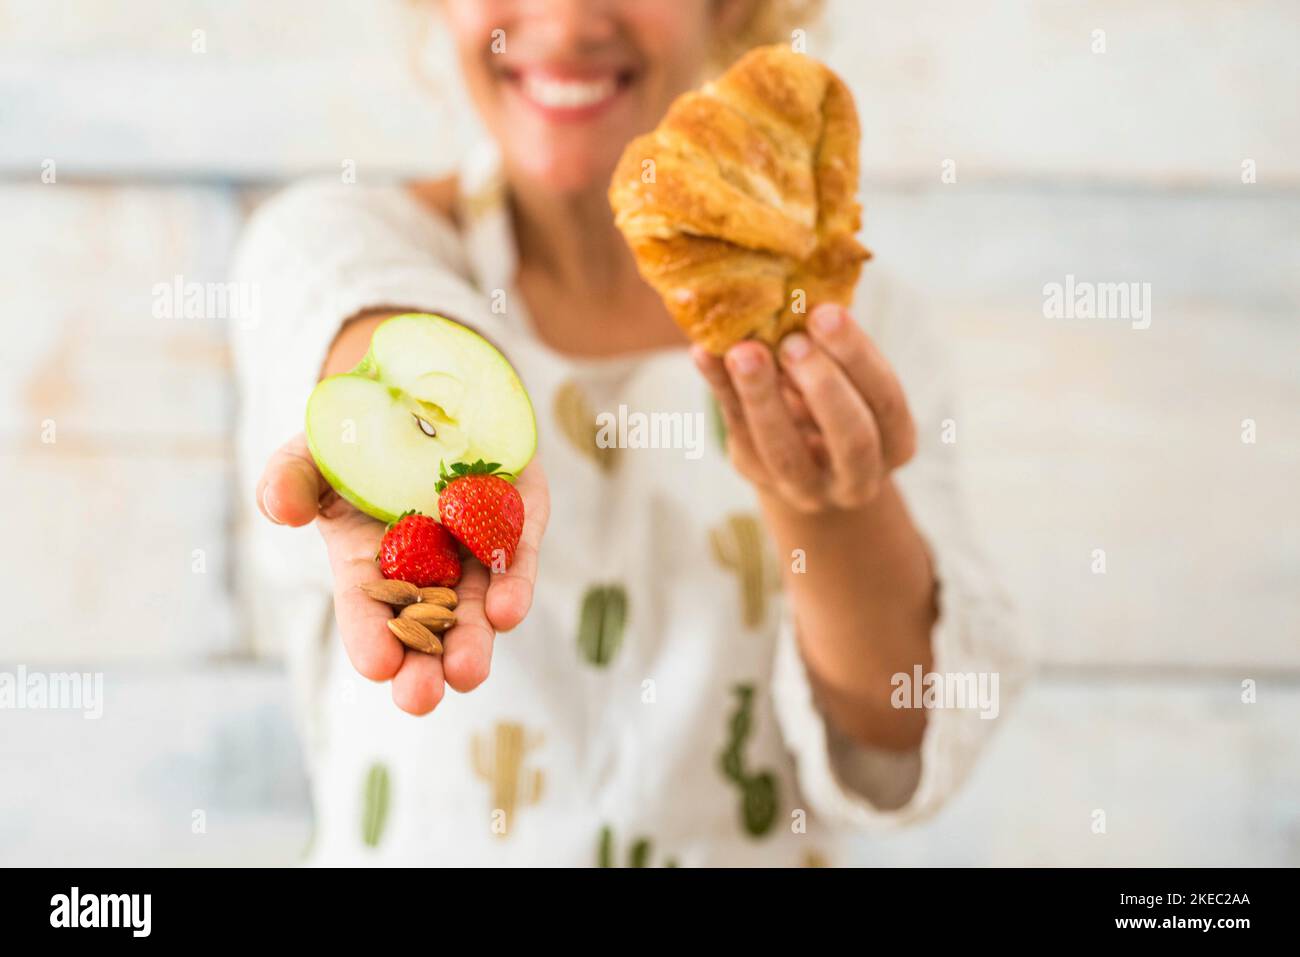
point(817, 428)
point(821, 427)
point(293, 492)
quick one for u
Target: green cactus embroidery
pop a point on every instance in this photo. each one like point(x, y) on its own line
point(738, 546)
point(719, 424)
point(577, 421)
point(759, 793)
point(605, 856)
point(759, 802)
point(374, 805)
point(501, 764)
point(601, 623)
point(637, 856)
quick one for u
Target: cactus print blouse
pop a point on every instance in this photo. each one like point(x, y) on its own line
point(653, 710)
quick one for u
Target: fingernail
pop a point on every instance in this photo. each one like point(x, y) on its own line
point(827, 318)
point(744, 360)
point(266, 506)
point(795, 346)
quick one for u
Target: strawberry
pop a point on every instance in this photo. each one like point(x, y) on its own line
point(483, 510)
point(418, 550)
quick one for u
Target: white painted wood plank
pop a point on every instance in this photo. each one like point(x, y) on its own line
point(1134, 447)
point(98, 350)
point(1238, 249)
point(114, 555)
point(1186, 90)
point(1011, 89)
point(277, 90)
point(1082, 438)
point(1187, 775)
point(1086, 434)
point(123, 789)
point(114, 429)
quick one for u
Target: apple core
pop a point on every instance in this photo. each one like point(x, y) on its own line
point(429, 391)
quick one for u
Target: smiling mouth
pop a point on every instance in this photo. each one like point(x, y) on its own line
point(569, 95)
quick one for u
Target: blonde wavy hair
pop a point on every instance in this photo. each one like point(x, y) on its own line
point(768, 21)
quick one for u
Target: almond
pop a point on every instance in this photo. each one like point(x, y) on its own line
point(439, 596)
point(415, 635)
point(391, 591)
point(434, 617)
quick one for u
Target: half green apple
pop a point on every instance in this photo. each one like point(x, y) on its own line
point(429, 391)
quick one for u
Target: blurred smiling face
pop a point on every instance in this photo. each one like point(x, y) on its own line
point(563, 85)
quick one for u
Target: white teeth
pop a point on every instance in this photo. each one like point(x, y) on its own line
point(567, 94)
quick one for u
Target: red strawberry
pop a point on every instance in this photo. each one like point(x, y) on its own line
point(483, 510)
point(418, 550)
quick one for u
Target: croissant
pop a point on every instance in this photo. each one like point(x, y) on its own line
point(740, 207)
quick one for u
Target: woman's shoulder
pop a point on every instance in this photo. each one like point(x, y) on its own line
point(321, 213)
point(439, 197)
point(327, 197)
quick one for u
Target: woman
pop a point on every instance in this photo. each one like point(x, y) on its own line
point(707, 656)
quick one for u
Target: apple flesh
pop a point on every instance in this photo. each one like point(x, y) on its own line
point(428, 392)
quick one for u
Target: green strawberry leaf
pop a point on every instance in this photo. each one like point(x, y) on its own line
point(462, 470)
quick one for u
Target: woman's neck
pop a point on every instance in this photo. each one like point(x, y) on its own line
point(571, 238)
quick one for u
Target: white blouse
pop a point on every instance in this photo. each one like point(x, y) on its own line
point(653, 709)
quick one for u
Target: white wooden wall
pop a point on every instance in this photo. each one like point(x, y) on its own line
point(1123, 165)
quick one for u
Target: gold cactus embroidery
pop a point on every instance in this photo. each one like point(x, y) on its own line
point(485, 199)
point(815, 859)
point(577, 421)
point(501, 764)
point(738, 545)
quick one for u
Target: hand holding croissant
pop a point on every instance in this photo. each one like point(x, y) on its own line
point(740, 210)
point(819, 426)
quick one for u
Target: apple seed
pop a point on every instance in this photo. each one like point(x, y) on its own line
point(425, 427)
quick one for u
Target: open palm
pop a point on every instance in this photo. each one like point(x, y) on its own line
point(293, 492)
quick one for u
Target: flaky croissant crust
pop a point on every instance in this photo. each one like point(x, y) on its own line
point(740, 207)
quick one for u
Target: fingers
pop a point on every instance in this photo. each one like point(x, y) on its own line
point(419, 685)
point(846, 424)
point(510, 593)
point(291, 486)
point(351, 540)
point(833, 329)
point(743, 454)
point(772, 429)
point(467, 646)
point(715, 373)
